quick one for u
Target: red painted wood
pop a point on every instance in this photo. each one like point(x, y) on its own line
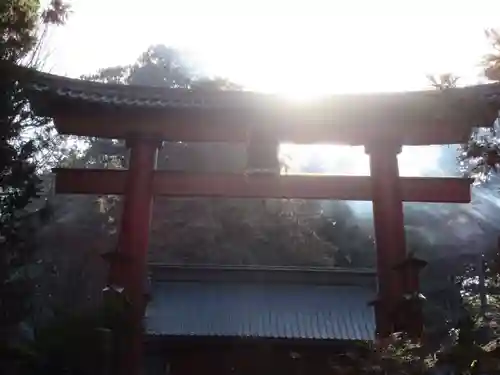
point(175, 184)
point(133, 244)
point(409, 272)
point(415, 189)
point(388, 222)
point(90, 181)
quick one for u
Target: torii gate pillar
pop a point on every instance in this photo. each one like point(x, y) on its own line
point(388, 220)
point(129, 271)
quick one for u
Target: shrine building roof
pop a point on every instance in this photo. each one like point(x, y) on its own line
point(261, 302)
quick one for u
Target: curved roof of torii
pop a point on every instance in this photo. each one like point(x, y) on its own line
point(406, 116)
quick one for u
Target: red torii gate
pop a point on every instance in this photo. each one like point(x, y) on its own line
point(146, 116)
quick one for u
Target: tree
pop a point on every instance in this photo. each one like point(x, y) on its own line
point(469, 338)
point(480, 156)
point(491, 61)
point(443, 81)
point(20, 22)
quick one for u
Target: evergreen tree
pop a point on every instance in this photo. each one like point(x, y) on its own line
point(20, 23)
point(480, 156)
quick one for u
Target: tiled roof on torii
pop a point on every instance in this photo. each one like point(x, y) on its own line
point(413, 118)
point(160, 97)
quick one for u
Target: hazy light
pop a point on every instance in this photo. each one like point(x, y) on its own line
point(352, 160)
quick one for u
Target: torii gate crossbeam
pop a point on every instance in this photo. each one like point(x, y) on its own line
point(233, 185)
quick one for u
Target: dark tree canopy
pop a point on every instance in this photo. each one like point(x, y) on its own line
point(480, 157)
point(20, 21)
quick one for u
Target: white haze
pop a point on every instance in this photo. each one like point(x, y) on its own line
point(455, 228)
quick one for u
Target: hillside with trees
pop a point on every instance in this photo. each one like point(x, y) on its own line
point(23, 138)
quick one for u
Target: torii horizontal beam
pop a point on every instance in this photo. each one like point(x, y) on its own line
point(180, 184)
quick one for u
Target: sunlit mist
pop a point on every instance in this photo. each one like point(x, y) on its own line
point(352, 160)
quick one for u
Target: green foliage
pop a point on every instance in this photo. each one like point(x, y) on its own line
point(77, 343)
point(82, 343)
point(480, 156)
point(19, 22)
point(465, 351)
point(443, 81)
point(491, 61)
point(160, 66)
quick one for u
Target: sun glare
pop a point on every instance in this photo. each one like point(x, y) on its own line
point(352, 160)
point(304, 50)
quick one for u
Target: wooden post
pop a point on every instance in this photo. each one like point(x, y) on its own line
point(410, 317)
point(130, 270)
point(262, 152)
point(388, 220)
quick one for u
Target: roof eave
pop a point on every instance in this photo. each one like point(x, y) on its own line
point(414, 118)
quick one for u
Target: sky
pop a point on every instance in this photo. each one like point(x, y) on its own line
point(298, 47)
